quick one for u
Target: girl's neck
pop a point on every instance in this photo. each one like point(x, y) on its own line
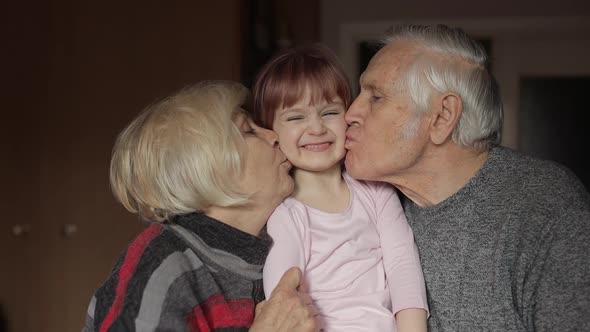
point(326, 190)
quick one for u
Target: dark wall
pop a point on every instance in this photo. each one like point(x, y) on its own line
point(76, 72)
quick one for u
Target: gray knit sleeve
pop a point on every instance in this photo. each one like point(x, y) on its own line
point(558, 284)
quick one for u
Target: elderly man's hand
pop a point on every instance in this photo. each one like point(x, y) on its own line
point(286, 309)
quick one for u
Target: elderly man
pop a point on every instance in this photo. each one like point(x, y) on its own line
point(504, 239)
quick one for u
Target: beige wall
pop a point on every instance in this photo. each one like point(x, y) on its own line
point(334, 13)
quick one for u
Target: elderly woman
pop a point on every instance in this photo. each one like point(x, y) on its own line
point(207, 178)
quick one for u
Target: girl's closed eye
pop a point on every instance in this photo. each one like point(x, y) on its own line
point(295, 117)
point(330, 113)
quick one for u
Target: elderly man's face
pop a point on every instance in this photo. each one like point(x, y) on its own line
point(386, 137)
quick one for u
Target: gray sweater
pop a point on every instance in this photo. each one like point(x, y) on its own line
point(509, 251)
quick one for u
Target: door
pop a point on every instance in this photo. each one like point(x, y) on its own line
point(85, 70)
point(544, 81)
point(24, 75)
point(553, 120)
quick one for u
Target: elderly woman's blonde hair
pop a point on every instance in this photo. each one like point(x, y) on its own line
point(181, 155)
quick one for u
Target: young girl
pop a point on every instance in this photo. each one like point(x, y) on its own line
point(350, 238)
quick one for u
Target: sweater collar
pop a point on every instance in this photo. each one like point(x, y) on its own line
point(218, 235)
point(469, 190)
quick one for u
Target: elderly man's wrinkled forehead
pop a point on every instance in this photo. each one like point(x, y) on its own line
point(385, 67)
point(398, 57)
point(397, 54)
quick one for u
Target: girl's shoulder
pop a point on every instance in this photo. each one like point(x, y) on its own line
point(289, 213)
point(292, 209)
point(290, 204)
point(369, 187)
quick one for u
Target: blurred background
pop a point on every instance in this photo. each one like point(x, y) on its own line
point(76, 72)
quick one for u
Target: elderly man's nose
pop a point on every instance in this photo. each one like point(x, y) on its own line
point(352, 114)
point(350, 119)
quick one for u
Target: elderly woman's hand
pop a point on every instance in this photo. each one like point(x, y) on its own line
point(286, 309)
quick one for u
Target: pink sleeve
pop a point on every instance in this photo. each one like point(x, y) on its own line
point(288, 249)
point(400, 254)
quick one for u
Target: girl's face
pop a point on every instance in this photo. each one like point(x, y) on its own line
point(312, 136)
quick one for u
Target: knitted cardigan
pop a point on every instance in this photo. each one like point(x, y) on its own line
point(194, 273)
point(509, 251)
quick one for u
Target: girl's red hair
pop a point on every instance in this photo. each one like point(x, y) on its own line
point(283, 81)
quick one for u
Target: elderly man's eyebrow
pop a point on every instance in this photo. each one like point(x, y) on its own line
point(369, 86)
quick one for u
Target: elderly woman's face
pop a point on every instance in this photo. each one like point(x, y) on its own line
point(265, 170)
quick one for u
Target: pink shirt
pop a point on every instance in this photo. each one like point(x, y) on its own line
point(360, 266)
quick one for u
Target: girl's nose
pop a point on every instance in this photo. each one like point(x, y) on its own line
point(317, 127)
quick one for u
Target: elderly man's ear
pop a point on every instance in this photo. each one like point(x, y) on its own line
point(444, 117)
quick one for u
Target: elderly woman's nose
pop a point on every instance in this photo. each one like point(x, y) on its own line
point(270, 136)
